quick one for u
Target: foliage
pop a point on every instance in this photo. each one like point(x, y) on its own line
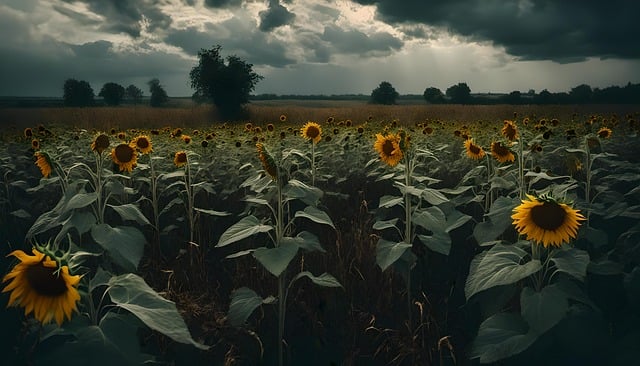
point(133, 93)
point(77, 93)
point(112, 93)
point(459, 93)
point(159, 96)
point(433, 95)
point(385, 93)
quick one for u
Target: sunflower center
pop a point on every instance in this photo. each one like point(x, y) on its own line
point(142, 143)
point(313, 132)
point(181, 158)
point(124, 153)
point(549, 216)
point(45, 281)
point(474, 149)
point(387, 148)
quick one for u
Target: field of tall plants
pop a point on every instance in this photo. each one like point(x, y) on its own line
point(357, 235)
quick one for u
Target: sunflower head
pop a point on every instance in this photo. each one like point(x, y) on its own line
point(100, 143)
point(546, 221)
point(125, 156)
point(311, 131)
point(42, 286)
point(388, 147)
point(270, 127)
point(604, 133)
point(283, 118)
point(501, 153)
point(35, 144)
point(510, 131)
point(180, 159)
point(474, 151)
point(268, 162)
point(143, 144)
point(43, 161)
point(186, 138)
point(28, 132)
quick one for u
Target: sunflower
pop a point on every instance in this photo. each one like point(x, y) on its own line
point(510, 131)
point(35, 144)
point(125, 156)
point(186, 139)
point(43, 161)
point(311, 131)
point(143, 144)
point(501, 153)
point(42, 287)
point(180, 159)
point(474, 151)
point(389, 148)
point(122, 135)
point(604, 132)
point(546, 221)
point(28, 132)
point(268, 163)
point(283, 118)
point(270, 127)
point(100, 143)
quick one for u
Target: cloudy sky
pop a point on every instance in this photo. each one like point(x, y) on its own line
point(322, 46)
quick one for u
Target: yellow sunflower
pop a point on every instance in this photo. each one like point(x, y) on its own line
point(283, 118)
point(268, 163)
point(186, 139)
point(501, 153)
point(388, 147)
point(180, 159)
point(510, 131)
point(125, 156)
point(41, 287)
point(100, 143)
point(311, 131)
point(604, 132)
point(35, 144)
point(43, 161)
point(143, 144)
point(546, 221)
point(28, 132)
point(474, 151)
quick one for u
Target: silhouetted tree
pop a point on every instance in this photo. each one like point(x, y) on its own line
point(459, 94)
point(134, 94)
point(581, 94)
point(112, 93)
point(227, 85)
point(384, 94)
point(158, 95)
point(433, 95)
point(77, 93)
point(515, 97)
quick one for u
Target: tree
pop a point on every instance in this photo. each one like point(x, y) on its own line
point(459, 94)
point(134, 93)
point(227, 85)
point(433, 95)
point(112, 93)
point(158, 95)
point(384, 94)
point(77, 93)
point(515, 97)
point(581, 94)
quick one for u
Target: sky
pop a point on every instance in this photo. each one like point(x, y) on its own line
point(320, 46)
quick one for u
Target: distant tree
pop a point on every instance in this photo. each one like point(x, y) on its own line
point(226, 85)
point(112, 93)
point(433, 95)
point(133, 93)
point(158, 94)
point(77, 93)
point(459, 94)
point(581, 94)
point(384, 94)
point(515, 97)
point(544, 97)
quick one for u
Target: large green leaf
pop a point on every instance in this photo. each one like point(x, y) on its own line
point(542, 310)
point(276, 260)
point(498, 219)
point(434, 220)
point(125, 244)
point(388, 252)
point(500, 336)
point(244, 228)
point(385, 224)
point(572, 261)
point(500, 265)
point(81, 200)
point(389, 201)
point(130, 212)
point(305, 240)
point(212, 212)
point(315, 215)
point(324, 280)
point(130, 292)
point(243, 302)
point(433, 196)
point(295, 189)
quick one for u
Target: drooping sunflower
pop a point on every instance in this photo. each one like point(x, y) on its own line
point(475, 152)
point(388, 146)
point(501, 153)
point(42, 287)
point(510, 131)
point(186, 138)
point(546, 221)
point(28, 132)
point(43, 161)
point(143, 144)
point(268, 163)
point(35, 144)
point(311, 131)
point(604, 133)
point(100, 143)
point(180, 159)
point(126, 156)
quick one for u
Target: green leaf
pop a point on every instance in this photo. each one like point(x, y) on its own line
point(388, 252)
point(433, 219)
point(81, 200)
point(101, 278)
point(324, 280)
point(130, 212)
point(276, 260)
point(500, 265)
point(500, 336)
point(386, 224)
point(498, 220)
point(212, 212)
point(315, 215)
point(244, 228)
point(125, 244)
point(21, 214)
point(295, 189)
point(433, 196)
point(305, 240)
point(243, 302)
point(130, 292)
point(542, 310)
point(389, 201)
point(571, 261)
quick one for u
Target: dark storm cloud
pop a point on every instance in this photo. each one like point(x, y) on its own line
point(563, 31)
point(123, 16)
point(78, 17)
point(275, 16)
point(222, 3)
point(356, 42)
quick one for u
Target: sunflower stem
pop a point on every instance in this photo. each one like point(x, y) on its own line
point(521, 167)
point(407, 229)
point(587, 192)
point(313, 163)
point(281, 278)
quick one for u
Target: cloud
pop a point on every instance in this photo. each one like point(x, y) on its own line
point(275, 16)
point(222, 3)
point(562, 31)
point(356, 42)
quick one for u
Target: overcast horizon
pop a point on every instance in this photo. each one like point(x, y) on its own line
point(309, 47)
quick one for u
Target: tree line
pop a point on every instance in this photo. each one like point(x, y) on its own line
point(79, 93)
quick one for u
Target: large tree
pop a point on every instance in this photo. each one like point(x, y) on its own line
point(77, 93)
point(112, 93)
point(134, 94)
point(459, 94)
point(385, 93)
point(158, 94)
point(433, 95)
point(227, 85)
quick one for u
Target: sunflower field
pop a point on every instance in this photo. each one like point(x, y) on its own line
point(372, 241)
